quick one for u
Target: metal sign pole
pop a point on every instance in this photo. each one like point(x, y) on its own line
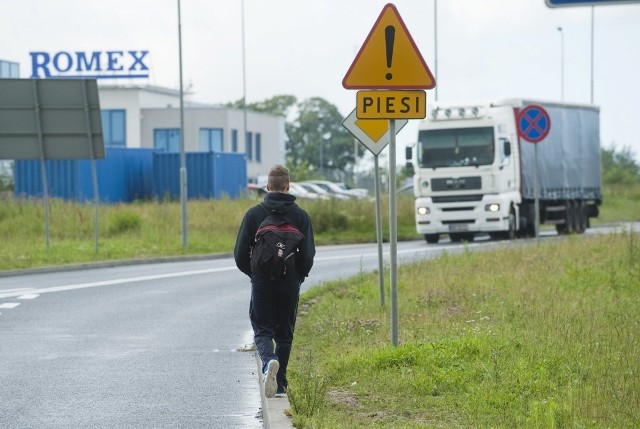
point(393, 233)
point(94, 174)
point(43, 165)
point(536, 192)
point(183, 162)
point(379, 229)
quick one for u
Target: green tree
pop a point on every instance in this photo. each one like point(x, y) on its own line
point(318, 138)
point(301, 172)
point(278, 105)
point(318, 146)
point(619, 167)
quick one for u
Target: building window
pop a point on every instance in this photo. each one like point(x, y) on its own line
point(258, 147)
point(9, 69)
point(211, 140)
point(249, 143)
point(167, 139)
point(114, 129)
point(234, 140)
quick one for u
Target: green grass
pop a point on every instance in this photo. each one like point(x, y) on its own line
point(620, 202)
point(541, 337)
point(154, 229)
point(537, 337)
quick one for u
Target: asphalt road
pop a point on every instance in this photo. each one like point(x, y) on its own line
point(157, 345)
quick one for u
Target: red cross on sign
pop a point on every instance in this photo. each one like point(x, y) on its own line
point(533, 123)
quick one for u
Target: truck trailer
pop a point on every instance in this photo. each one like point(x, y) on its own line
point(474, 174)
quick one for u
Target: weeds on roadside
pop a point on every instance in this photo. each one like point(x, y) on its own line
point(533, 337)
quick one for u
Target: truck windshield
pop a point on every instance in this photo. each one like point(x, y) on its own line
point(455, 147)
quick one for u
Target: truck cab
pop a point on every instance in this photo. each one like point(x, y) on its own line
point(467, 177)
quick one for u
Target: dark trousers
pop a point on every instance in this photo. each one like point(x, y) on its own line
point(272, 311)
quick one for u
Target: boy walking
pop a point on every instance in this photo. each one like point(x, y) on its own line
point(274, 297)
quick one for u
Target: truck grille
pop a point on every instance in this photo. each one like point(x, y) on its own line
point(456, 183)
point(457, 199)
point(456, 209)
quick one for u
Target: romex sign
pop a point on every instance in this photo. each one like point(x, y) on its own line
point(89, 65)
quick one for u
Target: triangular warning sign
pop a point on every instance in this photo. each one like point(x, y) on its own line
point(389, 58)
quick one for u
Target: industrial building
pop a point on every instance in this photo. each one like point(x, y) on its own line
point(148, 116)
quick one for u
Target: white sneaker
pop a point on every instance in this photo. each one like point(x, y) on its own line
point(270, 383)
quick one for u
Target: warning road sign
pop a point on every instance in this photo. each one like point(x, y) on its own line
point(389, 58)
point(372, 133)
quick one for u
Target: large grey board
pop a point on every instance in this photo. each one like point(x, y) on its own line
point(65, 113)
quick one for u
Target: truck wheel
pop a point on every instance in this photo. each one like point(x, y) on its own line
point(455, 238)
point(511, 232)
point(567, 226)
point(571, 218)
point(432, 238)
point(581, 216)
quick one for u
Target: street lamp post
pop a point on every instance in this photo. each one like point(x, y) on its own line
point(435, 40)
point(244, 81)
point(561, 63)
point(592, 13)
point(183, 163)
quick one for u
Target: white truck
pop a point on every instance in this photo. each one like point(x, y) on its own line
point(473, 173)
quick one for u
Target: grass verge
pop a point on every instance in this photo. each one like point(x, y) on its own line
point(154, 228)
point(535, 337)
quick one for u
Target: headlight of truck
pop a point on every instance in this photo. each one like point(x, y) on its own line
point(492, 207)
point(423, 210)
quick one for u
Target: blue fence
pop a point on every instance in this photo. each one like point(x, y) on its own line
point(210, 175)
point(125, 175)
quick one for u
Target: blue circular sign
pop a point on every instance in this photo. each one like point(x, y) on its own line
point(533, 123)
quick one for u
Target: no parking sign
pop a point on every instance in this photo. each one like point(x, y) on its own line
point(533, 123)
point(533, 126)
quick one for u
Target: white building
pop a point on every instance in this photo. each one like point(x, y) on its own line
point(146, 116)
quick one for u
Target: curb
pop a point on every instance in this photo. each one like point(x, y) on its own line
point(273, 409)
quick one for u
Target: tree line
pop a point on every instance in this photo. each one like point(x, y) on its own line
point(318, 146)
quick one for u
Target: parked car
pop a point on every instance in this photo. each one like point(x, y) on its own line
point(299, 191)
point(322, 192)
point(357, 192)
point(340, 189)
point(256, 191)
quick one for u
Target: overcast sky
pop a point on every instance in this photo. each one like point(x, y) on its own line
point(487, 49)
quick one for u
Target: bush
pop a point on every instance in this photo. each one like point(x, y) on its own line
point(124, 222)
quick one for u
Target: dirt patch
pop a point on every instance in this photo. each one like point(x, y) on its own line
point(341, 397)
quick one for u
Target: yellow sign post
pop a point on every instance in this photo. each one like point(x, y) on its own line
point(390, 60)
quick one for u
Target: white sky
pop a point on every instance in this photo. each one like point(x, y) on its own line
point(487, 49)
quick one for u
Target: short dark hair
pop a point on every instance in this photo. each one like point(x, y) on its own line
point(278, 180)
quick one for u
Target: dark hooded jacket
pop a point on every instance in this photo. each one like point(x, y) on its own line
point(284, 204)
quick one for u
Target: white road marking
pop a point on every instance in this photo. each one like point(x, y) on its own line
point(21, 289)
point(118, 281)
point(29, 296)
point(9, 305)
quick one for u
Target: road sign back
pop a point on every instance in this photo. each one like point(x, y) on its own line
point(389, 58)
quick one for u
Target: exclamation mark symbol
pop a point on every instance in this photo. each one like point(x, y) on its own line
point(389, 37)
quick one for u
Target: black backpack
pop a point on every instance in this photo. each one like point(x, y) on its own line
point(276, 243)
